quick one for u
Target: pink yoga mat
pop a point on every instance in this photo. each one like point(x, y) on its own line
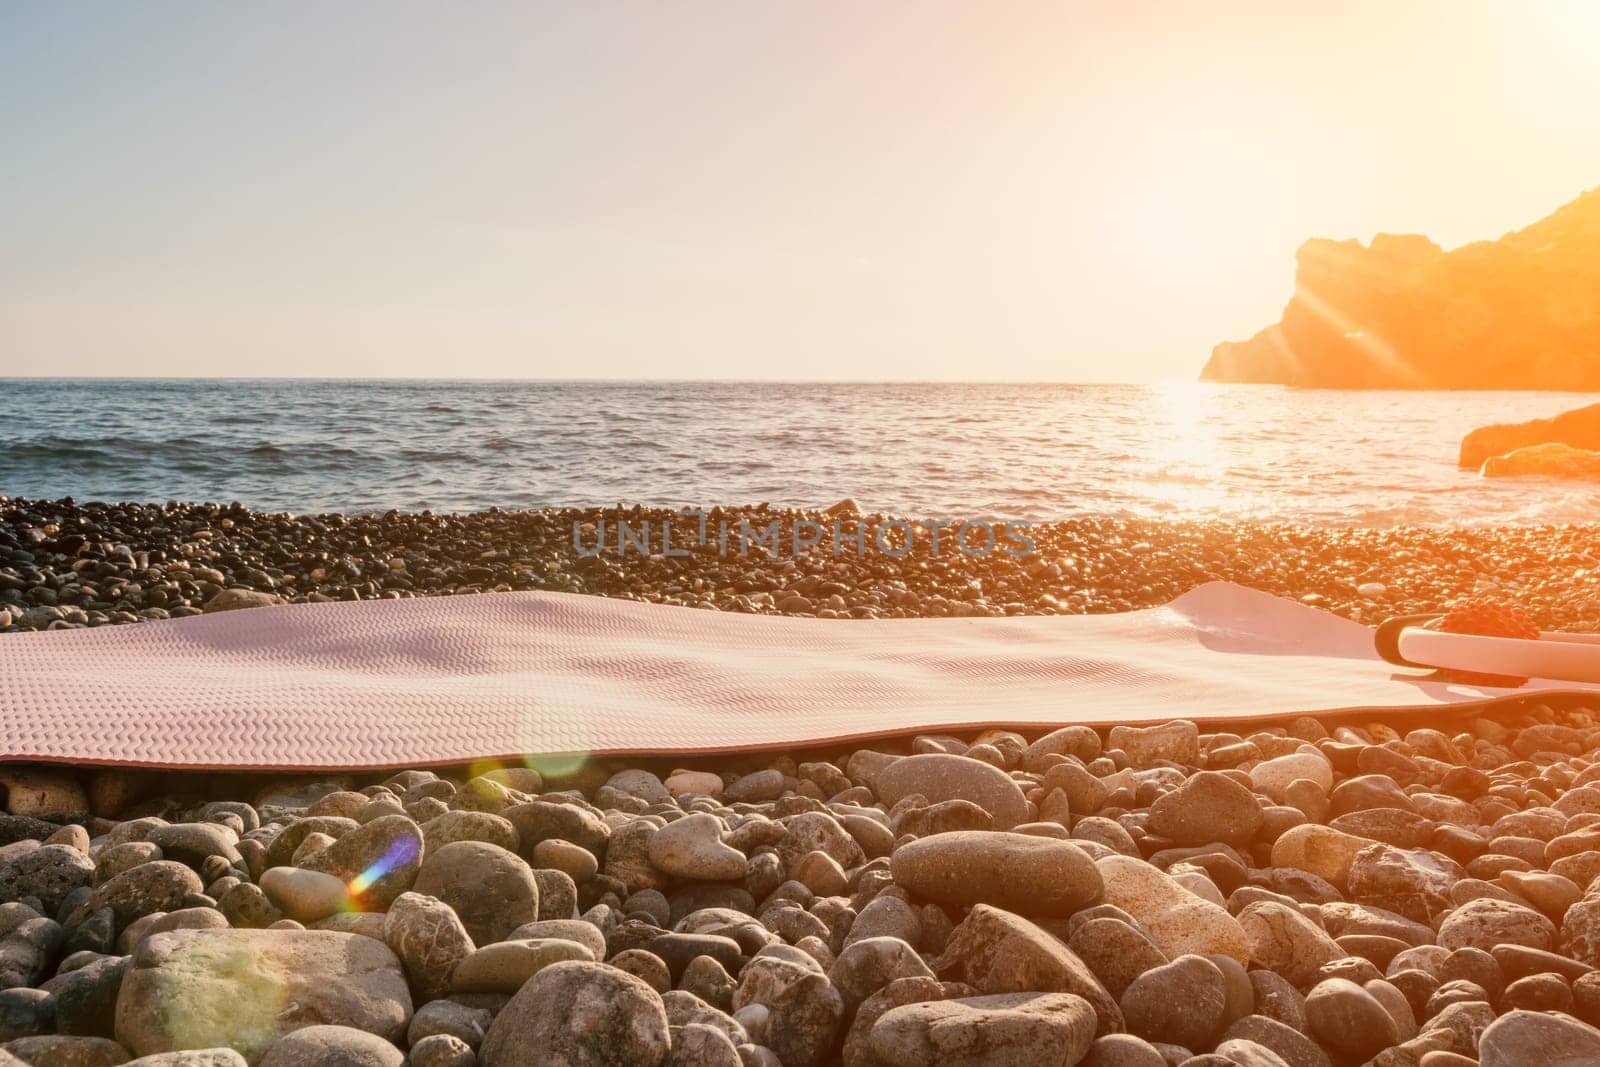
point(453, 679)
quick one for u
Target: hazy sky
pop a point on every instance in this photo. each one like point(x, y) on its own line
point(752, 189)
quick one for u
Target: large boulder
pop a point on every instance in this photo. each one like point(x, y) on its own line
point(190, 989)
point(1550, 460)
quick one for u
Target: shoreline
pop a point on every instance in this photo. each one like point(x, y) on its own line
point(68, 564)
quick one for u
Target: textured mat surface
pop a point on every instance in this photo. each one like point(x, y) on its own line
point(452, 679)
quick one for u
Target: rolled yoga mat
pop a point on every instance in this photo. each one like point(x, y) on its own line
point(406, 683)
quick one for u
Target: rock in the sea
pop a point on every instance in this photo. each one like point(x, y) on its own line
point(208, 988)
point(579, 1015)
point(1579, 428)
point(1016, 872)
point(1548, 460)
point(940, 776)
point(1004, 1030)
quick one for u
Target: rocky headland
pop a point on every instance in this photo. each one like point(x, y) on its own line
point(1402, 313)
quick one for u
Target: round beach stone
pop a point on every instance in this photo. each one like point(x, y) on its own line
point(1209, 806)
point(331, 1046)
point(466, 1024)
point(1285, 942)
point(689, 783)
point(1319, 850)
point(940, 776)
point(504, 966)
point(1180, 1003)
point(1272, 777)
point(576, 862)
point(1289, 1043)
point(491, 889)
point(378, 861)
point(580, 1015)
point(1175, 742)
point(872, 963)
point(1485, 923)
point(1018, 872)
point(430, 940)
point(1521, 1038)
point(1005, 1030)
point(162, 885)
point(452, 826)
point(1180, 922)
point(1115, 951)
point(994, 951)
point(194, 842)
point(1414, 882)
point(692, 847)
point(49, 873)
point(1122, 1050)
point(303, 895)
point(539, 820)
point(1344, 1017)
point(441, 1050)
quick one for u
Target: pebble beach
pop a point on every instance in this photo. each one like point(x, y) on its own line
point(65, 564)
point(1310, 893)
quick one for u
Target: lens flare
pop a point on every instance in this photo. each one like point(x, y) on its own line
point(404, 850)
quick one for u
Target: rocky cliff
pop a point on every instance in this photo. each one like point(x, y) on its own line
point(1522, 312)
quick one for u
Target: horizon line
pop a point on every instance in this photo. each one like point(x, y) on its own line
point(571, 381)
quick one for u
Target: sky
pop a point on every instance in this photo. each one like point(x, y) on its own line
point(807, 189)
